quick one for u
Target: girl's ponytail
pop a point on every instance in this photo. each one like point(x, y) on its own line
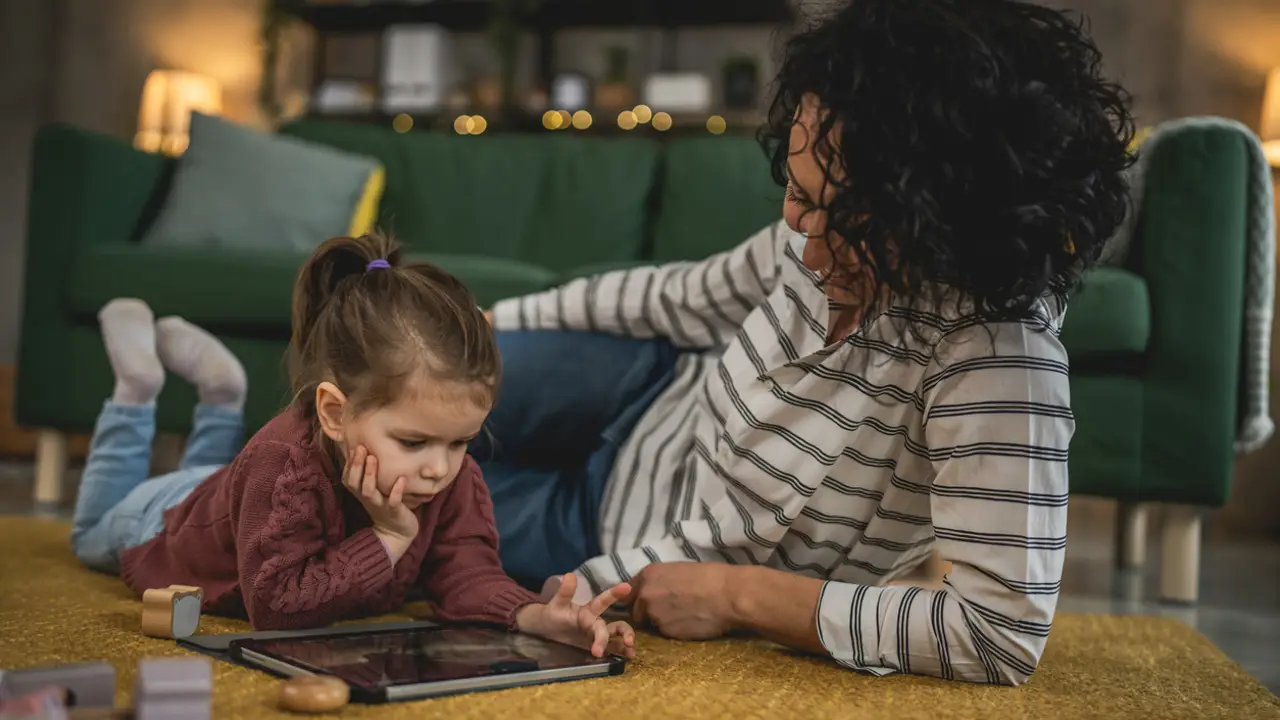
point(334, 267)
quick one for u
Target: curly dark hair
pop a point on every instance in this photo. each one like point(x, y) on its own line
point(983, 149)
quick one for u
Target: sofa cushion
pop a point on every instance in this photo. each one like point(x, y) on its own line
point(1110, 315)
point(241, 189)
point(596, 202)
point(716, 193)
point(221, 289)
point(445, 192)
point(557, 202)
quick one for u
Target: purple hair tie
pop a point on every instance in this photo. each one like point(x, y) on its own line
point(379, 263)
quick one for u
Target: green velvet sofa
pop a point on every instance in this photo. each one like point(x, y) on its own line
point(1155, 344)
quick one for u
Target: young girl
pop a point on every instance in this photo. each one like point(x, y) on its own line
point(358, 492)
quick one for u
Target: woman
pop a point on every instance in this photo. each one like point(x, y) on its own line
point(807, 416)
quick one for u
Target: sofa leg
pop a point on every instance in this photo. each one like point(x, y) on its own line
point(1180, 554)
point(1131, 535)
point(51, 467)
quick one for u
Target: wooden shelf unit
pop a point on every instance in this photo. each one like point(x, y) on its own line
point(464, 16)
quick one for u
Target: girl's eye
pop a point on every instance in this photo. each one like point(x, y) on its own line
point(412, 444)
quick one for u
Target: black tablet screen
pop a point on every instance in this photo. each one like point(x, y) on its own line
point(380, 660)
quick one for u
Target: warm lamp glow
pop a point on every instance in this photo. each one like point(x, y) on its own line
point(1270, 132)
point(582, 120)
point(168, 99)
point(661, 122)
point(627, 120)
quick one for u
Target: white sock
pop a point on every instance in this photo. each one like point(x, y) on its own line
point(202, 360)
point(128, 331)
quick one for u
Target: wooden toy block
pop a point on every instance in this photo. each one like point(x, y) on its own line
point(172, 612)
point(87, 685)
point(173, 689)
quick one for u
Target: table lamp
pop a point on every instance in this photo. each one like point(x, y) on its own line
point(168, 99)
point(1270, 130)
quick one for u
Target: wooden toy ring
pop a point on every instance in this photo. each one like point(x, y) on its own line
point(314, 694)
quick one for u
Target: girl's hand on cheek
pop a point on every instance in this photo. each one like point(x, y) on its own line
point(391, 517)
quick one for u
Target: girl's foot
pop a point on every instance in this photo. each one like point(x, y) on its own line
point(128, 331)
point(202, 360)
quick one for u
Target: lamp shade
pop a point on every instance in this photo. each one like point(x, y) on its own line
point(168, 99)
point(1270, 130)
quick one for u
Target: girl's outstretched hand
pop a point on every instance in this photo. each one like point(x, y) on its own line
point(562, 620)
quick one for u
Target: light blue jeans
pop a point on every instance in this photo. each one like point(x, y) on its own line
point(118, 507)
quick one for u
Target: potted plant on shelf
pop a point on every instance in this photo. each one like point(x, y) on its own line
point(508, 21)
point(615, 90)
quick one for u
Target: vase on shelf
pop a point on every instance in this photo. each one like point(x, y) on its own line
point(615, 90)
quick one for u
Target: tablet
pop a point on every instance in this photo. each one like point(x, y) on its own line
point(395, 665)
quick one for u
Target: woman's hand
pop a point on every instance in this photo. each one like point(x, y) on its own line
point(562, 620)
point(393, 522)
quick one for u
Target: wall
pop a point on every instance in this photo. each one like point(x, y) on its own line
point(26, 51)
point(84, 62)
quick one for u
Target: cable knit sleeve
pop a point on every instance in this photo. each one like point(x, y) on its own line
point(297, 570)
point(462, 572)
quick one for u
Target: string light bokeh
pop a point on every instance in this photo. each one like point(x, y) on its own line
point(580, 120)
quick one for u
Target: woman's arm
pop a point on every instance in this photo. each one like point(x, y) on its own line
point(292, 574)
point(998, 427)
point(692, 304)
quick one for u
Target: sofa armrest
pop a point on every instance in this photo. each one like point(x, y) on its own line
point(86, 189)
point(1191, 249)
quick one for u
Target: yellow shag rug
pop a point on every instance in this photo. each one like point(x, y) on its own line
point(54, 611)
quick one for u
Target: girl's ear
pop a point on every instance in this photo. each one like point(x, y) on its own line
point(331, 403)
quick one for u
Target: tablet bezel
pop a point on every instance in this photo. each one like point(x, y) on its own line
point(250, 651)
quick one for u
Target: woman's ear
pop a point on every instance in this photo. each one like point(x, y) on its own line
point(331, 403)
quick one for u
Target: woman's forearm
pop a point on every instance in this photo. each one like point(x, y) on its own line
point(779, 606)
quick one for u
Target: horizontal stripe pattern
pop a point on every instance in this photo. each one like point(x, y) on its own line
point(847, 462)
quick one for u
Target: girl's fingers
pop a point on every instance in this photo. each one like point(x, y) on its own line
point(568, 584)
point(600, 633)
point(355, 469)
point(623, 631)
point(370, 487)
point(397, 492)
point(606, 599)
point(622, 640)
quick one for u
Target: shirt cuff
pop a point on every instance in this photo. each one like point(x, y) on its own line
point(849, 625)
point(369, 555)
point(507, 316)
point(504, 605)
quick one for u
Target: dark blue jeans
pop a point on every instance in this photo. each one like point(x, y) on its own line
point(567, 402)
